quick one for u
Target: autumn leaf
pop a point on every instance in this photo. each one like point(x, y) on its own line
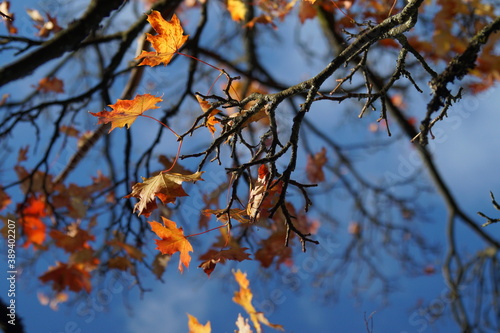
point(125, 112)
point(272, 251)
point(50, 84)
point(172, 241)
point(237, 10)
point(132, 251)
point(244, 297)
point(8, 18)
point(196, 327)
point(243, 325)
point(213, 257)
point(167, 42)
point(68, 276)
point(121, 263)
point(5, 199)
point(262, 198)
point(211, 120)
point(314, 167)
point(30, 219)
point(45, 27)
point(165, 186)
point(72, 240)
point(160, 263)
point(222, 215)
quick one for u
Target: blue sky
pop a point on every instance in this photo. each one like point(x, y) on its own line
point(465, 150)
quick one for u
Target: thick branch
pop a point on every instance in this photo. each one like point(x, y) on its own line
point(67, 40)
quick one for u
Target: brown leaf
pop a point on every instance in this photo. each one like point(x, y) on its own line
point(165, 186)
point(213, 257)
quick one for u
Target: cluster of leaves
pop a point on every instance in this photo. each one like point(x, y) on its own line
point(167, 186)
point(56, 217)
point(244, 298)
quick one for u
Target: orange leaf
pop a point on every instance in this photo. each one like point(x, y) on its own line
point(50, 84)
point(33, 226)
point(172, 241)
point(125, 112)
point(169, 40)
point(244, 297)
point(211, 121)
point(213, 257)
point(65, 276)
point(166, 186)
point(314, 167)
point(196, 327)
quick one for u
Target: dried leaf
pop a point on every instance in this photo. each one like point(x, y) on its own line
point(166, 186)
point(167, 42)
point(125, 112)
point(213, 257)
point(68, 276)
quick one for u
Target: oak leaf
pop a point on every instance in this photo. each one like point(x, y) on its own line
point(243, 325)
point(165, 186)
point(125, 112)
point(213, 257)
point(244, 297)
point(167, 42)
point(172, 241)
point(196, 327)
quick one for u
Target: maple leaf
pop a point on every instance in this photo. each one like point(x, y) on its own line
point(166, 186)
point(125, 112)
point(196, 327)
point(314, 167)
point(169, 40)
point(272, 250)
point(33, 226)
point(172, 241)
point(74, 239)
point(50, 84)
point(211, 120)
point(244, 297)
point(213, 257)
point(71, 276)
point(120, 263)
